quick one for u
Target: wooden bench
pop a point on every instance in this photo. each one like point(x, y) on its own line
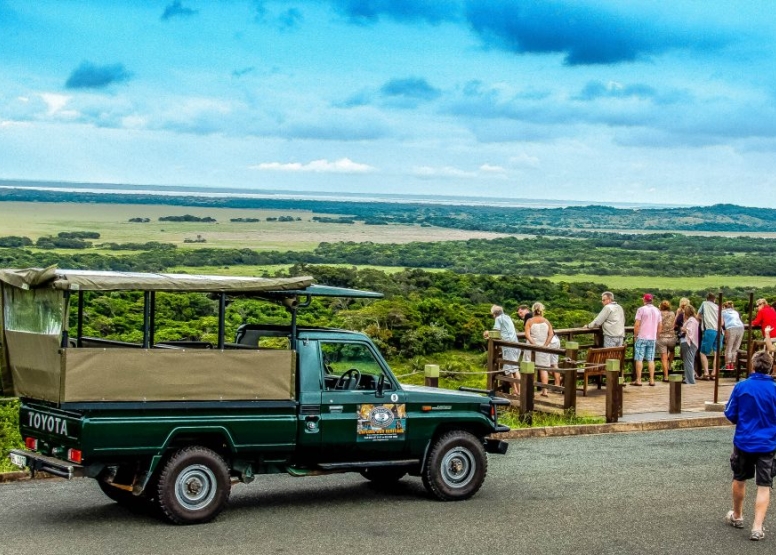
point(595, 364)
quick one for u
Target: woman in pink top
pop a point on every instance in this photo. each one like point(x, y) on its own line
point(689, 343)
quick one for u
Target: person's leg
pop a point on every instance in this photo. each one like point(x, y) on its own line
point(651, 366)
point(739, 492)
point(544, 376)
point(760, 506)
point(664, 362)
point(689, 374)
point(704, 365)
point(638, 366)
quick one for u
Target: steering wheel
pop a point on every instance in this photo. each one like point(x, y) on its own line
point(349, 379)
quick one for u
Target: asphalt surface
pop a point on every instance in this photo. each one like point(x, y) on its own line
point(653, 492)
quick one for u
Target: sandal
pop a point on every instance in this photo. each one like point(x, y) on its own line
point(635, 384)
point(652, 384)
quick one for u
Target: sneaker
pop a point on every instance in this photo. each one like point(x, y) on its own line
point(757, 535)
point(736, 522)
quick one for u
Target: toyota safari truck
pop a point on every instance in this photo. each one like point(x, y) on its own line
point(173, 424)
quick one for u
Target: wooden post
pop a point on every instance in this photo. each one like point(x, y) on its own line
point(569, 371)
point(675, 394)
point(718, 353)
point(527, 377)
point(613, 390)
point(431, 372)
point(491, 375)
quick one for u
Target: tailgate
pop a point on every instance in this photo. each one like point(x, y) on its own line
point(50, 425)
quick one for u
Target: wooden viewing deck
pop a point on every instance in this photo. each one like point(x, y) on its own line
point(646, 399)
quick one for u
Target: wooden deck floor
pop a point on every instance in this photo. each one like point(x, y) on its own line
point(645, 399)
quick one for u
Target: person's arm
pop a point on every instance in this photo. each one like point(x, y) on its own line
point(731, 409)
point(600, 319)
point(758, 319)
point(636, 328)
point(527, 332)
point(550, 333)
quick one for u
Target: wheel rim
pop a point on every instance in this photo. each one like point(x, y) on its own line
point(458, 467)
point(195, 487)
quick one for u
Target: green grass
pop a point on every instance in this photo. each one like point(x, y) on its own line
point(9, 433)
point(689, 283)
point(511, 418)
point(111, 221)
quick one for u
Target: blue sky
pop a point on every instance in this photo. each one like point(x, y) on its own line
point(670, 102)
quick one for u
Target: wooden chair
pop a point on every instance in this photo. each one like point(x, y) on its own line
point(595, 364)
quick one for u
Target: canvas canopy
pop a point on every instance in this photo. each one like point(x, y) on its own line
point(86, 280)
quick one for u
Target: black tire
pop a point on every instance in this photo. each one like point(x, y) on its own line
point(123, 497)
point(455, 466)
point(384, 475)
point(193, 486)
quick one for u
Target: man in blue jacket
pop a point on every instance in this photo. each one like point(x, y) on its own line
point(752, 408)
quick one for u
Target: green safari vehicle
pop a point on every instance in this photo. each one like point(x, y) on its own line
point(173, 425)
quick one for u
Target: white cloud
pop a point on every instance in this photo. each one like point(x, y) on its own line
point(55, 102)
point(343, 165)
point(524, 160)
point(487, 168)
point(446, 171)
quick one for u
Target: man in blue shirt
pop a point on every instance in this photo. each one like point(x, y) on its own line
point(752, 408)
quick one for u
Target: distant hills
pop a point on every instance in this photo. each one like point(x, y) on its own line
point(570, 220)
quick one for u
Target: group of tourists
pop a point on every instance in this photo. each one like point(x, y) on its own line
point(657, 330)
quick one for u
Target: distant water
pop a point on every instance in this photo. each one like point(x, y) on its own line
point(227, 192)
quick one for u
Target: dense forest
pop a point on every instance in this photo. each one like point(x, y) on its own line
point(666, 254)
point(505, 219)
point(423, 313)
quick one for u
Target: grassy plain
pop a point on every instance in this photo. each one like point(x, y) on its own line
point(690, 283)
point(33, 220)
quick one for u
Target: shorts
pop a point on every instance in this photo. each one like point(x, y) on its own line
point(747, 465)
point(665, 345)
point(709, 342)
point(644, 349)
point(614, 341)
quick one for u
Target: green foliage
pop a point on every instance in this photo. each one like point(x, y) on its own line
point(9, 432)
point(187, 218)
point(13, 241)
point(511, 418)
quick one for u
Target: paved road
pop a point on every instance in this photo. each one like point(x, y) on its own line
point(658, 492)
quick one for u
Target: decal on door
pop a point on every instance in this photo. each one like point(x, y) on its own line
point(381, 422)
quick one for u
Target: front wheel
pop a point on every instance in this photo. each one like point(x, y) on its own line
point(193, 486)
point(455, 466)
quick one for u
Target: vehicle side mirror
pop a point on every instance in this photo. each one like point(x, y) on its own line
point(380, 385)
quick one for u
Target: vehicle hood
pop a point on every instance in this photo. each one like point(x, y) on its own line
point(449, 395)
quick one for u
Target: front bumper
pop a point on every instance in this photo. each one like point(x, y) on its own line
point(41, 463)
point(496, 446)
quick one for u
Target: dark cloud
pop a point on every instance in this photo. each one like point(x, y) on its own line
point(410, 88)
point(585, 34)
point(177, 9)
point(284, 21)
point(237, 73)
point(90, 76)
point(290, 19)
point(370, 11)
point(596, 89)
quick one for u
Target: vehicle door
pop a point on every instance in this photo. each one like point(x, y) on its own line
point(359, 422)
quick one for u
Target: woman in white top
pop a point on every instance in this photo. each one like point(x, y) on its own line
point(538, 331)
point(734, 333)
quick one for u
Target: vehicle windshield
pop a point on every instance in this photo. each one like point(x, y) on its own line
point(33, 311)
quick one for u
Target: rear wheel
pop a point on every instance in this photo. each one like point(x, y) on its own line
point(123, 497)
point(455, 466)
point(193, 486)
